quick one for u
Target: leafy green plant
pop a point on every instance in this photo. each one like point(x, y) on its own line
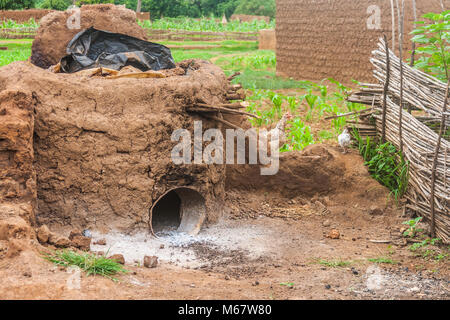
point(435, 252)
point(299, 136)
point(434, 38)
point(11, 24)
point(92, 264)
point(412, 227)
point(385, 164)
point(415, 246)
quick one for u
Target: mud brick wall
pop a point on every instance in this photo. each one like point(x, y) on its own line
point(17, 176)
point(318, 39)
point(143, 15)
point(23, 15)
point(267, 40)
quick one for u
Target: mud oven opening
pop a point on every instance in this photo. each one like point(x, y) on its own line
point(180, 209)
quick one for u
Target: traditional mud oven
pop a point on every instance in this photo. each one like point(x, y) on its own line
point(98, 151)
point(102, 147)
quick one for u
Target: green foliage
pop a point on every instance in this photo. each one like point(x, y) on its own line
point(430, 249)
point(260, 60)
point(81, 2)
point(206, 24)
point(11, 24)
point(385, 164)
point(256, 7)
point(412, 227)
point(299, 136)
point(189, 8)
point(55, 4)
point(90, 263)
point(434, 38)
point(16, 52)
point(17, 4)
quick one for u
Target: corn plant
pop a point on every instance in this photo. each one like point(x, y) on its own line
point(206, 24)
point(299, 136)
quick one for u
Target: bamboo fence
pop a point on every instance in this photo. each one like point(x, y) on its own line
point(427, 151)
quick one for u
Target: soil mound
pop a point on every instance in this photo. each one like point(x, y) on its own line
point(54, 33)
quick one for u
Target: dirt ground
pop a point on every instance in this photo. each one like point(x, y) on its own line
point(262, 249)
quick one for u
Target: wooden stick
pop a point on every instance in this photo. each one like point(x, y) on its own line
point(435, 161)
point(234, 75)
point(222, 121)
point(234, 96)
point(413, 52)
point(400, 122)
point(393, 25)
point(347, 114)
point(225, 110)
point(236, 105)
point(385, 92)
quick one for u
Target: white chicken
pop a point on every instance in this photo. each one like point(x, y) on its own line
point(277, 136)
point(344, 140)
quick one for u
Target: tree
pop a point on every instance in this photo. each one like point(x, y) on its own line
point(56, 4)
point(257, 7)
point(81, 2)
point(139, 5)
point(16, 4)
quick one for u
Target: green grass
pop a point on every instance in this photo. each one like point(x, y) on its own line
point(90, 263)
point(261, 79)
point(334, 263)
point(383, 260)
point(17, 51)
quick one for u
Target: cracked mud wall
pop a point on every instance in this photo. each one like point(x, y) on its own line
point(102, 147)
point(17, 176)
point(318, 39)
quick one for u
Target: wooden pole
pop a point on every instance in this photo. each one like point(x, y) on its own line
point(139, 5)
point(435, 161)
point(393, 25)
point(385, 92)
point(400, 47)
point(413, 52)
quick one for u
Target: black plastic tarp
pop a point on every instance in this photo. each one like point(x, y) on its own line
point(92, 48)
